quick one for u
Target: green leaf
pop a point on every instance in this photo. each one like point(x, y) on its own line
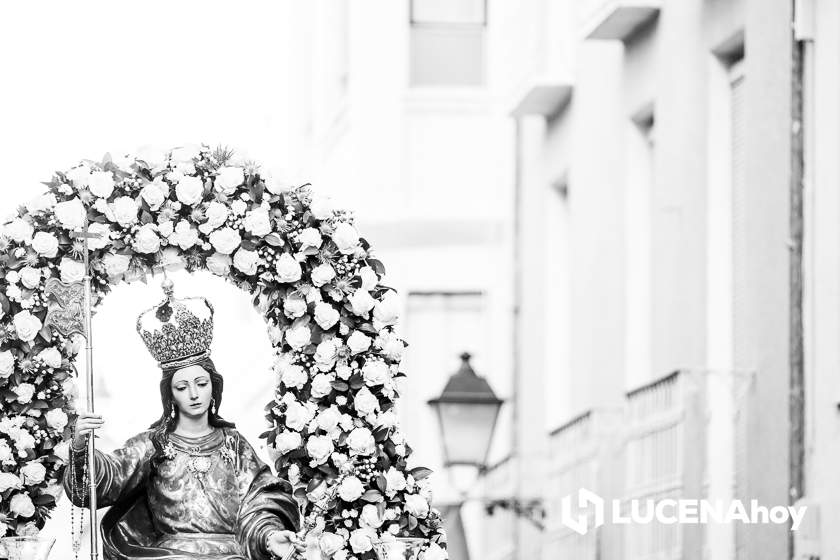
point(273, 239)
point(377, 266)
point(419, 473)
point(372, 496)
point(340, 385)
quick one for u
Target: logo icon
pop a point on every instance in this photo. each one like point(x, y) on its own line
point(580, 523)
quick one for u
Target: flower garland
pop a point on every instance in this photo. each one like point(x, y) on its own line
point(312, 277)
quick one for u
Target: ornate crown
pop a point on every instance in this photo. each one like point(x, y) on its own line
point(177, 332)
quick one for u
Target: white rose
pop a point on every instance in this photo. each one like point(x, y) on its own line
point(171, 259)
point(322, 274)
point(41, 203)
point(155, 193)
point(8, 481)
point(219, 264)
point(321, 385)
point(257, 222)
point(7, 457)
point(350, 489)
point(321, 207)
point(33, 472)
point(387, 311)
point(287, 441)
point(416, 505)
point(45, 244)
point(20, 230)
point(294, 306)
point(79, 176)
point(345, 237)
point(116, 264)
point(30, 276)
point(7, 364)
point(25, 392)
point(23, 440)
point(370, 516)
point(151, 156)
point(375, 372)
point(189, 190)
point(394, 482)
point(360, 541)
point(361, 302)
point(365, 402)
point(167, 229)
point(343, 371)
point(225, 240)
point(146, 239)
point(393, 348)
point(294, 376)
point(326, 315)
point(184, 235)
point(330, 543)
point(56, 419)
point(326, 353)
point(435, 552)
point(298, 337)
point(288, 269)
point(22, 506)
point(358, 342)
point(297, 415)
point(216, 214)
point(246, 261)
point(328, 419)
point(369, 278)
point(104, 233)
point(228, 178)
point(70, 213)
point(125, 210)
point(71, 270)
point(51, 356)
point(27, 325)
point(319, 448)
point(310, 237)
point(361, 442)
point(62, 451)
point(101, 183)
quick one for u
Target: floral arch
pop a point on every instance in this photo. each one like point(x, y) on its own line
point(312, 278)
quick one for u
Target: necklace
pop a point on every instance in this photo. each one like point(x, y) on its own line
point(199, 461)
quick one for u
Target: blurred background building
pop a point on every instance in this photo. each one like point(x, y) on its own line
point(626, 211)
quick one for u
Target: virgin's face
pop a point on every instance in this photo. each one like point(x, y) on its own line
point(192, 390)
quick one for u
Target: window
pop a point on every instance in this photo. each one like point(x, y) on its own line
point(447, 42)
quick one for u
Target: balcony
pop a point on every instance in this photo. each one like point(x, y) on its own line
point(541, 95)
point(616, 19)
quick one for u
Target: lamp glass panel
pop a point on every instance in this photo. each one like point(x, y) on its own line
point(467, 430)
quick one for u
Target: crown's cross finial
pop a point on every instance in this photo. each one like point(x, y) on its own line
point(168, 287)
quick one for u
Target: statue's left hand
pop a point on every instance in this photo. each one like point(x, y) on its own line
point(282, 544)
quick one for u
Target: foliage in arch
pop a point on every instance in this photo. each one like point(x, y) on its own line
point(312, 277)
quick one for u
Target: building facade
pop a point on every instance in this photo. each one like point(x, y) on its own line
point(599, 200)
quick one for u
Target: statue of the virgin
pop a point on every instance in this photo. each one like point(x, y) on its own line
point(191, 486)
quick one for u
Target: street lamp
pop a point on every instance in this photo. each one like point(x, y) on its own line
point(467, 411)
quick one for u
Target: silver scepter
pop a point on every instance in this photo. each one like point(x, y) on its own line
point(70, 313)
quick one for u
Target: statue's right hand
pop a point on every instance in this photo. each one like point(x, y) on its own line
point(86, 423)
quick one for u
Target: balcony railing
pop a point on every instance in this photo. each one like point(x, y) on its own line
point(578, 458)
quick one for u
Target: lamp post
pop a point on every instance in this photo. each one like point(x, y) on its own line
point(467, 411)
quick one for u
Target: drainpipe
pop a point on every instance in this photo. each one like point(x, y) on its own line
point(802, 31)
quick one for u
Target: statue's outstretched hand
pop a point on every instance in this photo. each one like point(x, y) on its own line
point(86, 423)
point(283, 544)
